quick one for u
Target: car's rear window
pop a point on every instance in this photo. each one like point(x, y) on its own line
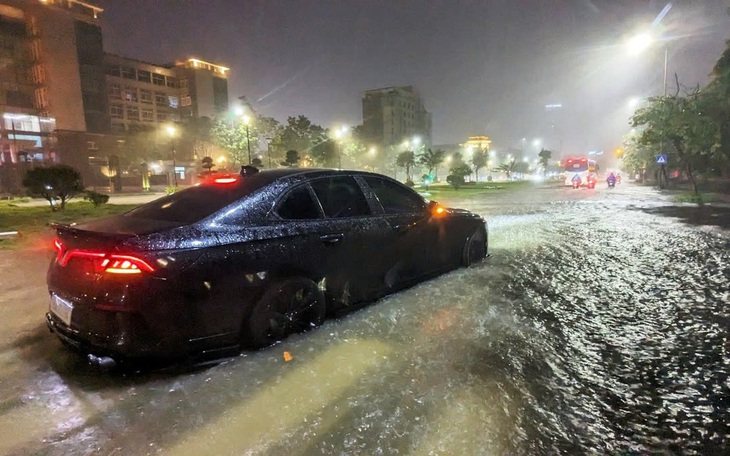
point(196, 203)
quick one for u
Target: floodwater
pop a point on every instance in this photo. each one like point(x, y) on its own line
point(599, 325)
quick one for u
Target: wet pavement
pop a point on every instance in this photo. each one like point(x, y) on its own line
point(601, 324)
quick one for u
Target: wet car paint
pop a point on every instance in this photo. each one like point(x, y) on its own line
point(210, 273)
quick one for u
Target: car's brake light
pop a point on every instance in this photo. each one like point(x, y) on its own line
point(59, 248)
point(107, 262)
point(224, 180)
point(125, 264)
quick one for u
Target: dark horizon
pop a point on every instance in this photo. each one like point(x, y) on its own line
point(482, 67)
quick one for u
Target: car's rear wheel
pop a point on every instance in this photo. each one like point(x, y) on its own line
point(475, 248)
point(288, 306)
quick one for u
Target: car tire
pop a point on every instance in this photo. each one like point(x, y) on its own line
point(475, 248)
point(288, 306)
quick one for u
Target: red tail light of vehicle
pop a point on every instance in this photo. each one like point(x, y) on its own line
point(103, 262)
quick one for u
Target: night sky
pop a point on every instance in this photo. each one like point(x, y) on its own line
point(482, 67)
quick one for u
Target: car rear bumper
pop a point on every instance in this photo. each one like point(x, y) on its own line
point(124, 340)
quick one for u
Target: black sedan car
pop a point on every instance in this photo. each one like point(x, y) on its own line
point(245, 260)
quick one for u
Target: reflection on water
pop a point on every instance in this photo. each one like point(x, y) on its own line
point(592, 329)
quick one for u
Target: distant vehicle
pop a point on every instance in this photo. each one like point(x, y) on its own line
point(246, 260)
point(578, 166)
point(591, 183)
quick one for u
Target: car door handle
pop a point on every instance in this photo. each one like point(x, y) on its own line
point(331, 238)
point(403, 227)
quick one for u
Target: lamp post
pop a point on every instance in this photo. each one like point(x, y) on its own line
point(171, 132)
point(339, 134)
point(246, 122)
point(638, 44)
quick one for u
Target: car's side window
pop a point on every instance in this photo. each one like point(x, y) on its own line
point(395, 198)
point(298, 204)
point(340, 197)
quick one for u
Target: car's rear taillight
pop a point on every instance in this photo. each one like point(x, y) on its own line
point(125, 264)
point(104, 262)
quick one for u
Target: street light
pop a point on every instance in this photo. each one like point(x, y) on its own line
point(640, 43)
point(171, 132)
point(339, 134)
point(246, 121)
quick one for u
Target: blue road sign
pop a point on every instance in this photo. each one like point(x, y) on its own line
point(661, 159)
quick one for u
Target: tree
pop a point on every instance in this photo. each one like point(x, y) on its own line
point(508, 168)
point(58, 182)
point(407, 160)
point(686, 126)
point(545, 156)
point(230, 133)
point(637, 157)
point(719, 88)
point(457, 174)
point(298, 134)
point(208, 163)
point(292, 159)
point(479, 160)
point(432, 159)
point(325, 153)
point(256, 161)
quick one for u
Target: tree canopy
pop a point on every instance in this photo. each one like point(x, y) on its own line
point(58, 182)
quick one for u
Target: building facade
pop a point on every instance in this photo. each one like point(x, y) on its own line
point(393, 115)
point(51, 78)
point(64, 100)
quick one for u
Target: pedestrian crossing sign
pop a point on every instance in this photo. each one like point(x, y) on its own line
point(661, 159)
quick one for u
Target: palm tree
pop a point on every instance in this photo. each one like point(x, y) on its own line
point(479, 160)
point(431, 159)
point(544, 158)
point(508, 168)
point(406, 160)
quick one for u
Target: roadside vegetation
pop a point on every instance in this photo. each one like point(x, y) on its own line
point(445, 191)
point(31, 222)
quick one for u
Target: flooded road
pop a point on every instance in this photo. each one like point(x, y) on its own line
point(601, 324)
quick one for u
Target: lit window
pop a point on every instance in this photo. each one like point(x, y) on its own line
point(173, 101)
point(130, 94)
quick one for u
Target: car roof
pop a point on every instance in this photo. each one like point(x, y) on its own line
point(271, 175)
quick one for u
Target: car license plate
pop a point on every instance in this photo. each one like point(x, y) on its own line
point(62, 309)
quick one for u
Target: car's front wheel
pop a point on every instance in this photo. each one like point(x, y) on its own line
point(475, 248)
point(288, 306)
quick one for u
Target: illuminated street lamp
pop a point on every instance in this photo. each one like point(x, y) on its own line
point(171, 131)
point(246, 122)
point(339, 134)
point(640, 43)
point(372, 151)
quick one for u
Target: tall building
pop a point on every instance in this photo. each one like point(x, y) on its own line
point(393, 115)
point(142, 95)
point(52, 79)
point(64, 100)
point(203, 88)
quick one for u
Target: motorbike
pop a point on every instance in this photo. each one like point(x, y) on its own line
point(611, 183)
point(591, 183)
point(576, 183)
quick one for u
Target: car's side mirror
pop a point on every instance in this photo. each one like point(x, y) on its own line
point(435, 209)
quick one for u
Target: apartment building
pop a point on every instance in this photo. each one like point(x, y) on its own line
point(393, 115)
